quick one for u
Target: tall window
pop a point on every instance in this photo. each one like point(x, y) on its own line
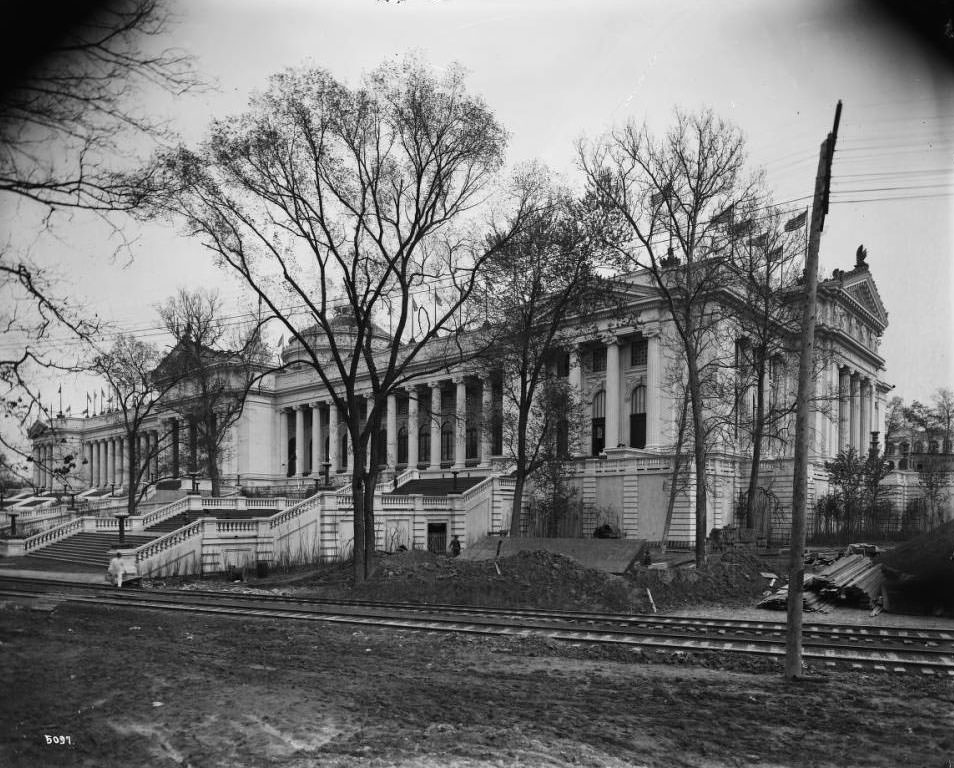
point(472, 442)
point(563, 365)
point(424, 443)
point(563, 438)
point(637, 418)
point(402, 446)
point(638, 352)
point(599, 423)
point(447, 442)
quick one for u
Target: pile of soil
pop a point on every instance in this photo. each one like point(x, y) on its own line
point(919, 574)
point(733, 578)
point(528, 579)
point(928, 556)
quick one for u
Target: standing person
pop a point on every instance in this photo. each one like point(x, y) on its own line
point(455, 547)
point(116, 570)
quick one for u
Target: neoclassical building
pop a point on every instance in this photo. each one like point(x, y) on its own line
point(291, 435)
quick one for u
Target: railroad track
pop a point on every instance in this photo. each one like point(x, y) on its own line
point(926, 651)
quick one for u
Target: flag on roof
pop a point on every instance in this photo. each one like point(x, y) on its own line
point(759, 241)
point(725, 216)
point(796, 222)
point(741, 229)
point(657, 197)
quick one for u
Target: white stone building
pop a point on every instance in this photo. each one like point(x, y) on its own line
point(291, 436)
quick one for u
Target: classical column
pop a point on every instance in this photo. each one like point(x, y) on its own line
point(111, 462)
point(300, 440)
point(854, 419)
point(333, 436)
point(844, 402)
point(412, 428)
point(486, 406)
point(612, 392)
point(94, 463)
point(653, 390)
point(391, 449)
point(460, 423)
point(121, 461)
point(436, 416)
point(316, 441)
point(865, 417)
point(282, 442)
point(36, 466)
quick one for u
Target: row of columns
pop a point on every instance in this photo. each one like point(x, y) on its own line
point(44, 461)
point(107, 458)
point(854, 412)
point(322, 436)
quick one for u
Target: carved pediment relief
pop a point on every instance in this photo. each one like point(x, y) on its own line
point(862, 289)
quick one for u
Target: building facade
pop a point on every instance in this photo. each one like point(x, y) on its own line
point(290, 434)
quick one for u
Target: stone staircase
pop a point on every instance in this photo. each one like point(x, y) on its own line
point(436, 486)
point(88, 548)
point(179, 521)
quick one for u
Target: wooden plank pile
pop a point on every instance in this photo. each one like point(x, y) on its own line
point(778, 601)
point(853, 579)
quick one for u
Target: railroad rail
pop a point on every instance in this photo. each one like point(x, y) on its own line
point(886, 649)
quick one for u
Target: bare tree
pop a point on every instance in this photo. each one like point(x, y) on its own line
point(943, 417)
point(672, 199)
point(340, 207)
point(129, 367)
point(542, 278)
point(767, 267)
point(215, 362)
point(66, 108)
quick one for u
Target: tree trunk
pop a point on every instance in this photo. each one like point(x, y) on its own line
point(515, 509)
point(676, 469)
point(133, 484)
point(370, 535)
point(700, 457)
point(357, 496)
point(757, 434)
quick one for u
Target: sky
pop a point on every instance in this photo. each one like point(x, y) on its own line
point(555, 71)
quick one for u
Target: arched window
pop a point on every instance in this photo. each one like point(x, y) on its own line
point(447, 442)
point(932, 446)
point(424, 444)
point(402, 446)
point(637, 418)
point(918, 447)
point(889, 449)
point(598, 441)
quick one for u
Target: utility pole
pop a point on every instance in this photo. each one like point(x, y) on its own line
point(806, 391)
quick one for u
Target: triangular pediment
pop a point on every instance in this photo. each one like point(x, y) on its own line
point(861, 288)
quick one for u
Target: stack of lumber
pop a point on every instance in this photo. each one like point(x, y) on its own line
point(854, 579)
point(778, 601)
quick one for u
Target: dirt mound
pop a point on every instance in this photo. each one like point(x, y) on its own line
point(528, 579)
point(928, 556)
point(733, 578)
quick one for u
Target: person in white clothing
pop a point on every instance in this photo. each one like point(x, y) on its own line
point(116, 570)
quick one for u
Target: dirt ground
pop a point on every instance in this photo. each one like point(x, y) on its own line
point(139, 688)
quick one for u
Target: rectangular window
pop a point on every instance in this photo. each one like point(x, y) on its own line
point(563, 365)
point(638, 353)
point(599, 359)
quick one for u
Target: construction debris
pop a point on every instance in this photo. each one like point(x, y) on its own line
point(853, 580)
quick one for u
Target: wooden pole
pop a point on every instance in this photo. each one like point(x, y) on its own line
point(806, 392)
